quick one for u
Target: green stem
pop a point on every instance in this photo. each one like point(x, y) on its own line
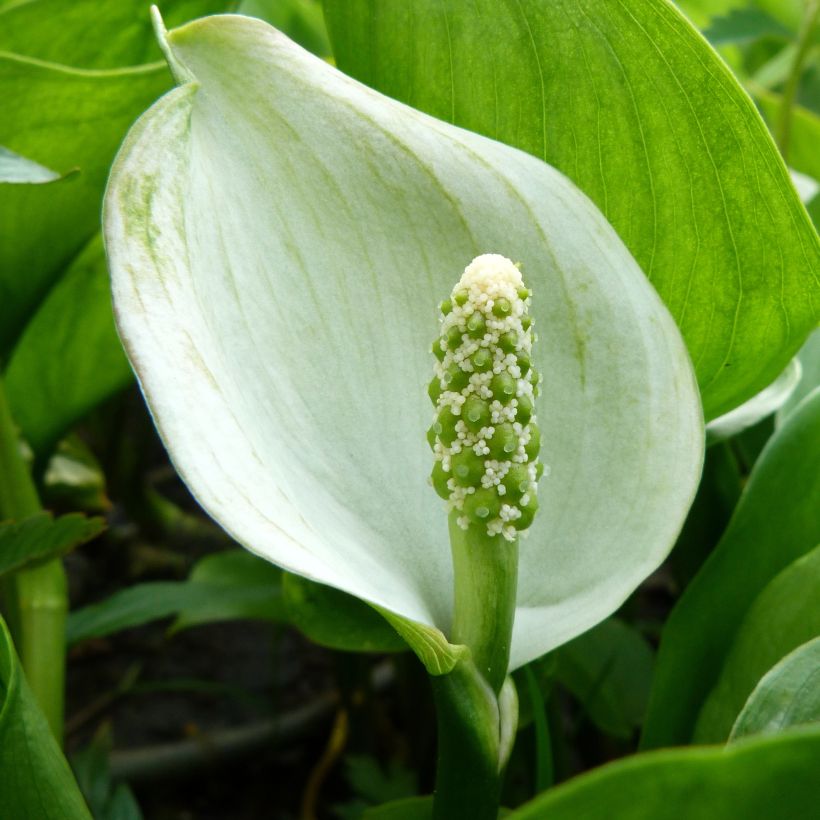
point(468, 780)
point(486, 577)
point(37, 599)
point(476, 711)
point(784, 124)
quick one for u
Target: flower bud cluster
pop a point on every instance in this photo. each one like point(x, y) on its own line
point(484, 436)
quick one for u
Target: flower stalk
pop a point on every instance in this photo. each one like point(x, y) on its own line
point(36, 599)
point(486, 443)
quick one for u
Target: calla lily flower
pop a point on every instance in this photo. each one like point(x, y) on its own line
point(279, 237)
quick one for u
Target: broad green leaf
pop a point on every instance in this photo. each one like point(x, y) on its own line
point(66, 119)
point(809, 357)
point(335, 619)
point(633, 105)
point(766, 402)
point(20, 170)
point(787, 695)
point(609, 670)
point(68, 358)
point(278, 237)
point(782, 617)
point(91, 34)
point(774, 523)
point(243, 585)
point(42, 537)
point(35, 780)
point(758, 779)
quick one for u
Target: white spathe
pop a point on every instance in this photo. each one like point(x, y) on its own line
point(279, 237)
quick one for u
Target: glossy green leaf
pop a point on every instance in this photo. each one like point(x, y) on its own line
point(787, 695)
point(774, 523)
point(65, 119)
point(609, 670)
point(758, 779)
point(42, 537)
point(91, 34)
point(19, 170)
point(784, 616)
point(630, 102)
point(335, 619)
point(35, 780)
point(281, 337)
point(69, 357)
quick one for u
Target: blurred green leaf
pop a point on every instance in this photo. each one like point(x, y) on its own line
point(782, 617)
point(714, 503)
point(137, 605)
point(74, 479)
point(741, 25)
point(35, 780)
point(69, 357)
point(302, 20)
point(804, 155)
point(249, 588)
point(378, 784)
point(91, 34)
point(66, 119)
point(236, 584)
point(335, 619)
point(20, 170)
point(759, 779)
point(615, 91)
point(787, 12)
point(409, 808)
point(787, 695)
point(609, 670)
point(42, 536)
point(106, 799)
point(809, 357)
point(774, 523)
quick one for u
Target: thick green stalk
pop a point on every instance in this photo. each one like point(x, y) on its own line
point(472, 717)
point(486, 577)
point(37, 599)
point(468, 777)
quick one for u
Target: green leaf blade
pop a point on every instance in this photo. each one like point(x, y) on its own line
point(774, 523)
point(35, 780)
point(787, 695)
point(42, 537)
point(756, 779)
